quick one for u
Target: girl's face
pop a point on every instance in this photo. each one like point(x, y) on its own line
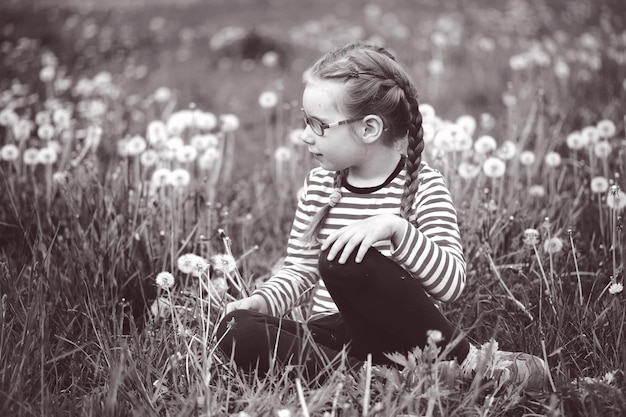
point(338, 148)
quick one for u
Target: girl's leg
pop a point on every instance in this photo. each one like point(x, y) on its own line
point(384, 308)
point(253, 339)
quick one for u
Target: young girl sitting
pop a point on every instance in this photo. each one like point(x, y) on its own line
point(375, 238)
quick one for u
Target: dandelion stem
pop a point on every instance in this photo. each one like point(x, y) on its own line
point(580, 288)
point(368, 377)
point(305, 410)
point(545, 279)
point(506, 288)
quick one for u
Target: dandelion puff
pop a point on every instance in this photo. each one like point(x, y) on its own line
point(207, 159)
point(576, 141)
point(149, 158)
point(295, 136)
point(268, 99)
point(590, 134)
point(122, 148)
point(8, 117)
point(467, 124)
point(162, 94)
point(270, 59)
point(45, 132)
point(602, 149)
point(179, 121)
point(427, 110)
point(156, 133)
point(552, 159)
point(599, 185)
point(434, 336)
point(537, 190)
point(204, 120)
point(47, 156)
point(444, 139)
point(485, 144)
point(31, 156)
point(180, 178)
point(165, 280)
point(135, 146)
point(282, 154)
point(224, 263)
point(229, 122)
point(9, 152)
point(429, 132)
point(202, 142)
point(616, 200)
point(616, 288)
point(553, 245)
point(161, 177)
point(190, 263)
point(174, 143)
point(507, 150)
point(606, 128)
point(47, 73)
point(468, 170)
point(527, 158)
point(494, 167)
point(531, 237)
point(186, 154)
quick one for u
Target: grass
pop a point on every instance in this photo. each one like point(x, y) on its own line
point(83, 238)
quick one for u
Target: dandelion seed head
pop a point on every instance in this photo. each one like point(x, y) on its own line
point(162, 94)
point(31, 156)
point(268, 99)
point(186, 154)
point(180, 178)
point(616, 200)
point(531, 237)
point(9, 152)
point(467, 170)
point(527, 158)
point(494, 167)
point(47, 155)
point(467, 123)
point(165, 280)
point(282, 154)
point(507, 150)
point(203, 142)
point(270, 59)
point(204, 120)
point(553, 245)
point(207, 159)
point(606, 128)
point(602, 149)
point(295, 136)
point(161, 177)
point(47, 73)
point(485, 144)
point(616, 288)
point(224, 263)
point(434, 337)
point(552, 159)
point(599, 185)
point(135, 146)
point(45, 132)
point(229, 122)
point(590, 134)
point(156, 133)
point(149, 158)
point(576, 141)
point(193, 264)
point(427, 110)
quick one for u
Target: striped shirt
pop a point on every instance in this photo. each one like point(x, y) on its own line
point(430, 248)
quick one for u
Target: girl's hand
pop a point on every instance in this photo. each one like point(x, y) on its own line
point(363, 234)
point(254, 303)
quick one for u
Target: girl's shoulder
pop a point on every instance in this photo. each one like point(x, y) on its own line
point(428, 173)
point(321, 177)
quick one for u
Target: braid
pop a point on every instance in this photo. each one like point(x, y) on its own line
point(316, 222)
point(414, 158)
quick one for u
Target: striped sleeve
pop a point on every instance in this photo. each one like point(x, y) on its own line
point(291, 284)
point(431, 246)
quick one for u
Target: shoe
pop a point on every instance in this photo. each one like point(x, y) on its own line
point(506, 368)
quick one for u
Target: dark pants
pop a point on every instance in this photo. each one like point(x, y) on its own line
point(382, 309)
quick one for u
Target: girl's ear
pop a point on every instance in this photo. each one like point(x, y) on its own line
point(372, 128)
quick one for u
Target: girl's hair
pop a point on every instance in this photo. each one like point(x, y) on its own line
point(374, 84)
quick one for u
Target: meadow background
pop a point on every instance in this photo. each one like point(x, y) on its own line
point(149, 168)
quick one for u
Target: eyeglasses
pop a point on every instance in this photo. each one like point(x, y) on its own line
point(318, 127)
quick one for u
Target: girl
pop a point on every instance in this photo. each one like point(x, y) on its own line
point(375, 238)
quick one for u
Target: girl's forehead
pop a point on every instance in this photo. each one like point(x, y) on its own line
point(322, 95)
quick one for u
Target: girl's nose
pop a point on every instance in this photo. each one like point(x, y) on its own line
point(307, 135)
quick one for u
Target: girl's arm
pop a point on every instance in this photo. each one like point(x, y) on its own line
point(299, 273)
point(430, 247)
